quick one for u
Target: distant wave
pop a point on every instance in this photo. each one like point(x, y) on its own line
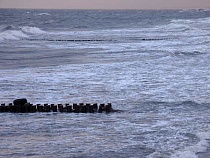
point(183, 27)
point(189, 22)
point(40, 14)
point(192, 10)
point(11, 32)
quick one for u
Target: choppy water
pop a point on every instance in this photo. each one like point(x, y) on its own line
point(153, 65)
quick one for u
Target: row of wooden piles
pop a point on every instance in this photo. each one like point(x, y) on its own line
point(76, 108)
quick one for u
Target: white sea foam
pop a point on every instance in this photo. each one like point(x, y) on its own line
point(16, 33)
point(32, 30)
point(190, 151)
point(12, 35)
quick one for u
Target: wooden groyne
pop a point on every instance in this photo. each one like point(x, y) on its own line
point(96, 40)
point(22, 106)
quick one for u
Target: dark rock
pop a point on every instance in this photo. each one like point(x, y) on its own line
point(20, 102)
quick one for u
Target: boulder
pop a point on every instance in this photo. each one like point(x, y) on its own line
point(20, 102)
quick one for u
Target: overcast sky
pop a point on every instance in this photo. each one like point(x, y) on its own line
point(106, 4)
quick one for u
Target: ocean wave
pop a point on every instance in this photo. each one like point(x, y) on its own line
point(174, 26)
point(9, 27)
point(184, 27)
point(12, 35)
point(191, 22)
point(11, 32)
point(40, 14)
point(32, 30)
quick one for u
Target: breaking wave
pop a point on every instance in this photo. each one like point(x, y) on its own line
point(32, 30)
point(11, 32)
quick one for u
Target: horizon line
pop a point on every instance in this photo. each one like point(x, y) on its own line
point(206, 8)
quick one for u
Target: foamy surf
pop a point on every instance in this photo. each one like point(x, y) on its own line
point(16, 33)
point(12, 35)
point(153, 65)
point(192, 151)
point(32, 30)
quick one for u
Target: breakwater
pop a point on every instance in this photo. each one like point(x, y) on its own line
point(23, 106)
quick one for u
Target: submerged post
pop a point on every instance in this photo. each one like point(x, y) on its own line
point(33, 108)
point(76, 108)
point(47, 108)
point(91, 109)
point(2, 108)
point(54, 108)
point(60, 107)
point(101, 108)
point(68, 108)
point(11, 107)
point(40, 108)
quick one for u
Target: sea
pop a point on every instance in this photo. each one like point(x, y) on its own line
point(152, 65)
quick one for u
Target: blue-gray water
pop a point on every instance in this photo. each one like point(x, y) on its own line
point(153, 65)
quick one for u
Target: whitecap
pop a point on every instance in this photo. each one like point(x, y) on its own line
point(43, 14)
point(12, 35)
point(15, 33)
point(32, 30)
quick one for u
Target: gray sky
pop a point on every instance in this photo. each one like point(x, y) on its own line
point(106, 4)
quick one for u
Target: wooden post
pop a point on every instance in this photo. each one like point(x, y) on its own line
point(101, 106)
point(68, 108)
point(110, 105)
point(76, 108)
point(84, 109)
point(107, 108)
point(91, 110)
point(60, 107)
point(51, 106)
point(95, 106)
point(17, 108)
point(33, 108)
point(26, 107)
point(2, 107)
point(47, 108)
point(88, 107)
point(11, 107)
point(40, 108)
point(80, 106)
point(74, 105)
point(7, 108)
point(55, 108)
